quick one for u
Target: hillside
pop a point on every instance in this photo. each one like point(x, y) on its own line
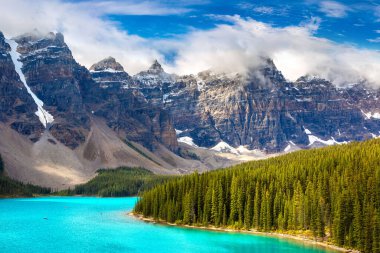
point(13, 188)
point(123, 181)
point(332, 193)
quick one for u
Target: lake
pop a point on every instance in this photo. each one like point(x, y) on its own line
point(89, 224)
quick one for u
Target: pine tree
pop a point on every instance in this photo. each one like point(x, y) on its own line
point(1, 165)
point(334, 189)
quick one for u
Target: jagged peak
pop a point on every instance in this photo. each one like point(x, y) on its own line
point(36, 35)
point(310, 78)
point(156, 67)
point(107, 64)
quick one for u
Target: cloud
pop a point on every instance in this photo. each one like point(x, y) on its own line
point(263, 10)
point(235, 46)
point(375, 40)
point(131, 8)
point(280, 10)
point(377, 13)
point(90, 36)
point(239, 46)
point(333, 9)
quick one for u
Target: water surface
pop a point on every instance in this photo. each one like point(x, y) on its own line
point(86, 224)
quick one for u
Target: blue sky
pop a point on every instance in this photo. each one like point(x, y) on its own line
point(356, 22)
point(336, 40)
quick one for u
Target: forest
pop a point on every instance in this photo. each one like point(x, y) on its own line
point(12, 188)
point(123, 181)
point(331, 194)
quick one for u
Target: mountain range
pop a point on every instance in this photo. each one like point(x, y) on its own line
point(60, 122)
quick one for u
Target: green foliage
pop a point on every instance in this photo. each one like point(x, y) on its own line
point(187, 154)
point(118, 182)
point(13, 188)
point(1, 165)
point(333, 192)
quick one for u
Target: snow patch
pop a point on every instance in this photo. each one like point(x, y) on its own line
point(109, 70)
point(225, 148)
point(44, 116)
point(178, 131)
point(329, 142)
point(291, 147)
point(369, 115)
point(307, 131)
point(187, 140)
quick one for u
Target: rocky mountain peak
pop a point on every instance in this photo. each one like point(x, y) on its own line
point(107, 64)
point(154, 76)
point(156, 67)
point(36, 37)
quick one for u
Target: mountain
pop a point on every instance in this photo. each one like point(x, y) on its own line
point(126, 110)
point(60, 122)
point(261, 110)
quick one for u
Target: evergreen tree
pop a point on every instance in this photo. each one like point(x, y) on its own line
point(334, 189)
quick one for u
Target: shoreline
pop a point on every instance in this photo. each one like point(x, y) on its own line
point(297, 238)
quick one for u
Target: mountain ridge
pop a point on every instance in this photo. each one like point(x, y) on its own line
point(104, 117)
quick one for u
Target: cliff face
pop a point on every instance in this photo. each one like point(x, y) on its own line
point(73, 121)
point(126, 110)
point(50, 71)
point(17, 108)
point(71, 94)
point(262, 110)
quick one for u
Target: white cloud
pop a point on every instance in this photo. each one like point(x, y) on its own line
point(233, 47)
point(263, 9)
point(294, 49)
point(90, 36)
point(375, 40)
point(333, 9)
point(377, 13)
point(130, 8)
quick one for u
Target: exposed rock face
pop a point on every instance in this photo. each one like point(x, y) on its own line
point(126, 110)
point(262, 110)
point(17, 108)
point(50, 71)
point(109, 64)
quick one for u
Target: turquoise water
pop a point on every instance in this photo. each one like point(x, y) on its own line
point(81, 224)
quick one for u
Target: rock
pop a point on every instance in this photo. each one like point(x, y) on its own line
point(126, 110)
point(261, 110)
point(17, 108)
point(50, 71)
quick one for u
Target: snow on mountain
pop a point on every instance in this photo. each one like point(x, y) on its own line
point(313, 139)
point(225, 148)
point(154, 75)
point(374, 115)
point(45, 117)
point(109, 70)
point(291, 147)
point(187, 140)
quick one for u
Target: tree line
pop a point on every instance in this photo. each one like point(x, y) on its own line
point(13, 188)
point(332, 193)
point(123, 181)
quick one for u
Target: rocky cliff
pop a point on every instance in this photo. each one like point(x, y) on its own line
point(17, 108)
point(261, 110)
point(126, 110)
